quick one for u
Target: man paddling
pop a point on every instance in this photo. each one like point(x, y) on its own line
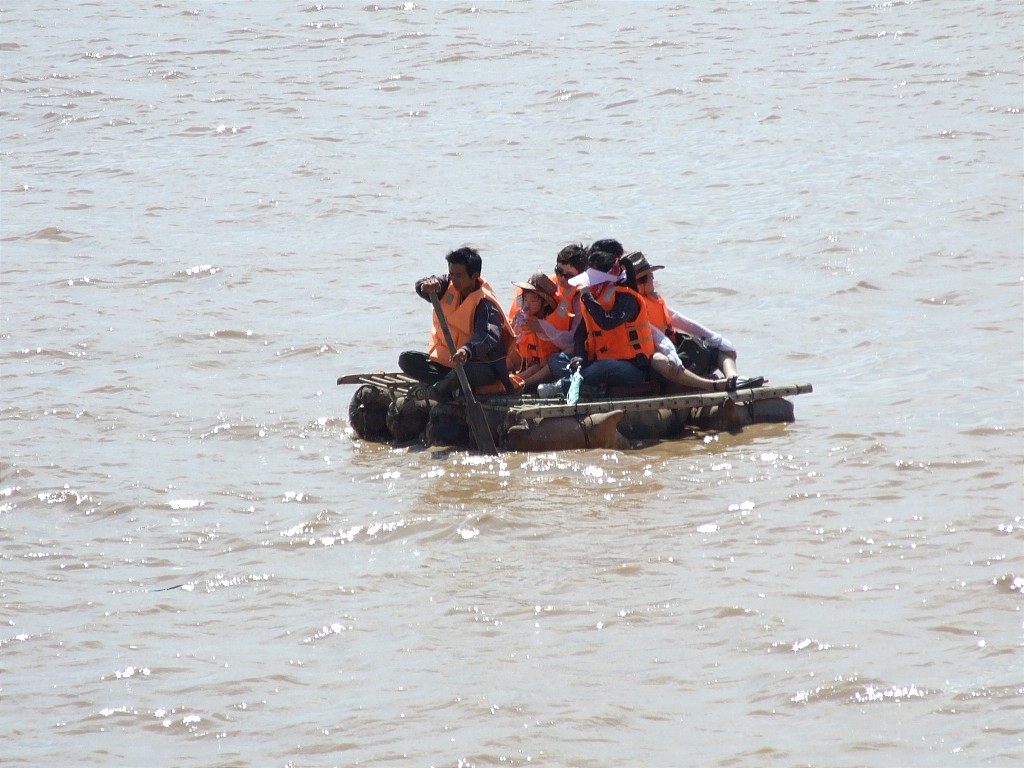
point(479, 327)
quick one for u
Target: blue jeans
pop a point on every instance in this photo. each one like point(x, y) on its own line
point(612, 373)
point(558, 364)
point(596, 373)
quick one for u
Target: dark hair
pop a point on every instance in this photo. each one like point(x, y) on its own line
point(575, 255)
point(469, 258)
point(614, 247)
point(603, 261)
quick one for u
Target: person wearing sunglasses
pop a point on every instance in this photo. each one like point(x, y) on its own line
point(569, 263)
point(559, 325)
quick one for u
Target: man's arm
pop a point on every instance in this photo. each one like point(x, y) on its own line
point(579, 342)
point(485, 344)
point(625, 309)
point(692, 327)
point(562, 339)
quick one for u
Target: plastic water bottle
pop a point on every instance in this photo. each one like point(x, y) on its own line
point(574, 387)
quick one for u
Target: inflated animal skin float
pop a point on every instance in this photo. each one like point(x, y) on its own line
point(383, 409)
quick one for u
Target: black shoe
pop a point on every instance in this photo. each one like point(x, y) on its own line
point(752, 383)
point(426, 393)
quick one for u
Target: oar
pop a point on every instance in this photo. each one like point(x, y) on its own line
point(474, 411)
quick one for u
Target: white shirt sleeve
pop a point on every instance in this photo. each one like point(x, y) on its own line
point(664, 345)
point(692, 327)
point(564, 340)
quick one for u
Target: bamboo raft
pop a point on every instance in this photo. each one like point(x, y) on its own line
point(381, 410)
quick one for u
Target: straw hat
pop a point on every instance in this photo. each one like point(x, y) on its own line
point(542, 285)
point(640, 264)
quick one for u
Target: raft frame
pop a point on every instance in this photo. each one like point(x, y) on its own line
point(527, 407)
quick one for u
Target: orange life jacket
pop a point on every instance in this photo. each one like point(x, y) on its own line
point(498, 387)
point(534, 348)
point(517, 304)
point(657, 314)
point(460, 313)
point(625, 341)
point(561, 316)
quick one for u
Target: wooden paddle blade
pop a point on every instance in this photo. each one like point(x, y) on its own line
point(481, 431)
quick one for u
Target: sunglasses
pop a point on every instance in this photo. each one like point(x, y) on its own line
point(562, 273)
point(644, 279)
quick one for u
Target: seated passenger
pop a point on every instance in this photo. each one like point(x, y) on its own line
point(537, 296)
point(669, 323)
point(479, 328)
point(614, 343)
point(560, 325)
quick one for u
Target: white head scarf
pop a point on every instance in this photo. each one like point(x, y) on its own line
point(596, 277)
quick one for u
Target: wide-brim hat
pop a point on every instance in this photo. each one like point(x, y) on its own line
point(543, 286)
point(640, 264)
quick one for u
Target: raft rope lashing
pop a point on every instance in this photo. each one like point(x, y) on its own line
point(583, 429)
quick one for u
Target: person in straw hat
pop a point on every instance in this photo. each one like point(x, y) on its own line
point(676, 332)
point(536, 349)
point(559, 325)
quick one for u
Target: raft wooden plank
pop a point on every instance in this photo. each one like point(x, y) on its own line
point(669, 402)
point(379, 378)
point(353, 378)
point(391, 380)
